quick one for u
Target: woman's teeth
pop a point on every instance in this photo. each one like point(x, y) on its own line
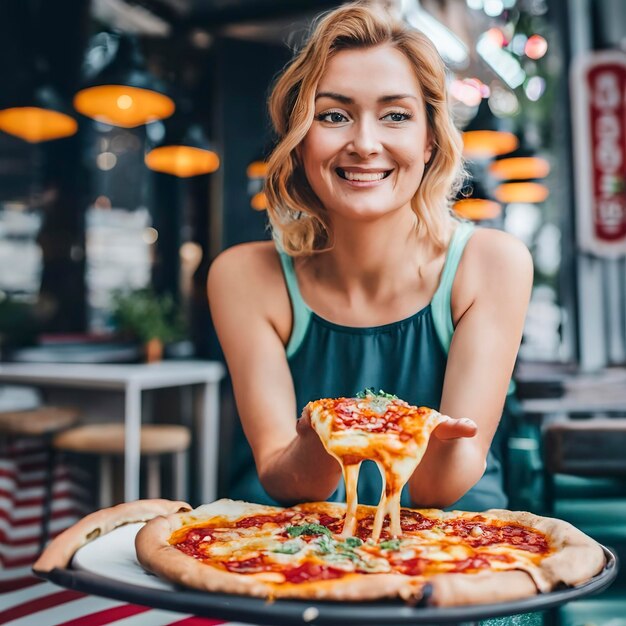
point(366, 177)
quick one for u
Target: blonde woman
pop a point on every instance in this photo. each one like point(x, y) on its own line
point(369, 282)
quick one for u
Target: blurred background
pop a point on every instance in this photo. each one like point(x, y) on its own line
point(133, 139)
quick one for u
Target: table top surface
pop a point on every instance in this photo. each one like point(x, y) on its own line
point(119, 375)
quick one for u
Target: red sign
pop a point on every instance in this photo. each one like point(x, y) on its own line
point(598, 87)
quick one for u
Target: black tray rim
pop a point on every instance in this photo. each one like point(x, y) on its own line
point(289, 612)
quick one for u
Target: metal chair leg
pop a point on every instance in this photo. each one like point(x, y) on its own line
point(48, 494)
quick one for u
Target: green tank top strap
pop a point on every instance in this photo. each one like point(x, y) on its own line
point(301, 312)
point(440, 304)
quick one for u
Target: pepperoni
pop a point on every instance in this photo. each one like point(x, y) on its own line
point(410, 567)
point(334, 524)
point(411, 521)
point(471, 563)
point(248, 566)
point(259, 520)
point(523, 538)
point(309, 572)
point(349, 415)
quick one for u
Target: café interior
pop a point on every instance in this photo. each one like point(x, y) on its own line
point(134, 139)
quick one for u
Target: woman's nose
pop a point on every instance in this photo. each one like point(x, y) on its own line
point(365, 141)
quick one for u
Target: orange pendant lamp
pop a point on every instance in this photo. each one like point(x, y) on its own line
point(486, 136)
point(520, 175)
point(123, 93)
point(186, 155)
point(40, 118)
point(473, 203)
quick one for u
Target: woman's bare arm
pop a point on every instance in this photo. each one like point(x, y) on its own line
point(251, 313)
point(489, 300)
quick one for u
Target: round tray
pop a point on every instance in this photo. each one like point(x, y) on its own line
point(108, 567)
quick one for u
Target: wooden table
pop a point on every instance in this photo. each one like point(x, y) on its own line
point(132, 380)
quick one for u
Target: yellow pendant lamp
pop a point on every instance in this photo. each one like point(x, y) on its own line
point(477, 209)
point(524, 191)
point(485, 137)
point(519, 168)
point(42, 118)
point(183, 156)
point(473, 203)
point(123, 93)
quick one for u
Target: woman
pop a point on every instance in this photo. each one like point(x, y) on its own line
point(370, 281)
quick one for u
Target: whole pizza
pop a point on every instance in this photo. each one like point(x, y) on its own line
point(454, 557)
point(331, 551)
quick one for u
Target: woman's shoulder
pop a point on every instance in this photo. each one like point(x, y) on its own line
point(492, 252)
point(246, 262)
point(493, 263)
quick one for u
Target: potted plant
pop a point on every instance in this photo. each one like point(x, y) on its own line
point(152, 319)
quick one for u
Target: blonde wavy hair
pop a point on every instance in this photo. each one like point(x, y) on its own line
point(295, 212)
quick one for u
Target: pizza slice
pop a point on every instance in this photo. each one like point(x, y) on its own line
point(381, 427)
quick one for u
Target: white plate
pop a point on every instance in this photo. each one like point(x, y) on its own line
point(113, 556)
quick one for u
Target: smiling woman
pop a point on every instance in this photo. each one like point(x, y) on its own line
point(369, 282)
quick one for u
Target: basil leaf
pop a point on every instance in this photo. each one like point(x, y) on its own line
point(352, 542)
point(289, 547)
point(390, 544)
point(325, 544)
point(369, 392)
point(307, 529)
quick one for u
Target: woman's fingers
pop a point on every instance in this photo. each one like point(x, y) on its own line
point(454, 429)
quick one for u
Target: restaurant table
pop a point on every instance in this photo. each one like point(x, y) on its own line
point(132, 380)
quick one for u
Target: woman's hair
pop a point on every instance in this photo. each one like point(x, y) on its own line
point(296, 214)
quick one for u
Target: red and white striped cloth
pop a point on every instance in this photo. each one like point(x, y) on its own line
point(26, 600)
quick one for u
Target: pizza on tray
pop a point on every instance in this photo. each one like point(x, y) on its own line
point(331, 551)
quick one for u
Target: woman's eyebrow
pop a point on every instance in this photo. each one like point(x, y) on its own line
point(348, 100)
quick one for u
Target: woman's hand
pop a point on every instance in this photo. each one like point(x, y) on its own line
point(455, 428)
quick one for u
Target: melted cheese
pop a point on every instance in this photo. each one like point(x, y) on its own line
point(388, 431)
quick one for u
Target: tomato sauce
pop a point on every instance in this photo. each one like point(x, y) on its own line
point(511, 534)
point(309, 572)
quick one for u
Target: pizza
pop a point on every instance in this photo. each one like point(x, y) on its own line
point(454, 558)
point(332, 551)
point(383, 428)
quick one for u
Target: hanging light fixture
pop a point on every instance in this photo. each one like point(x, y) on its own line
point(121, 92)
point(473, 203)
point(256, 173)
point(527, 191)
point(519, 168)
point(183, 155)
point(484, 137)
point(40, 118)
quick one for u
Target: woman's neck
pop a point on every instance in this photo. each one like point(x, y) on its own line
point(370, 257)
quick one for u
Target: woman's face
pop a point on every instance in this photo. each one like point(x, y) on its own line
point(365, 152)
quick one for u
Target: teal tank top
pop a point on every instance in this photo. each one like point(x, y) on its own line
point(407, 358)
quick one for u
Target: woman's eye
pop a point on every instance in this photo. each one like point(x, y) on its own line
point(333, 117)
point(397, 117)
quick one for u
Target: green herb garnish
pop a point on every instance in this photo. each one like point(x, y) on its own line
point(352, 542)
point(325, 544)
point(307, 529)
point(369, 392)
point(289, 547)
point(390, 544)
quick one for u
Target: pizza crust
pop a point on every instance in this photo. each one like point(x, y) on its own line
point(576, 558)
point(60, 551)
point(481, 588)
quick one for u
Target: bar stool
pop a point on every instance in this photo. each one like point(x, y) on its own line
point(42, 422)
point(107, 442)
